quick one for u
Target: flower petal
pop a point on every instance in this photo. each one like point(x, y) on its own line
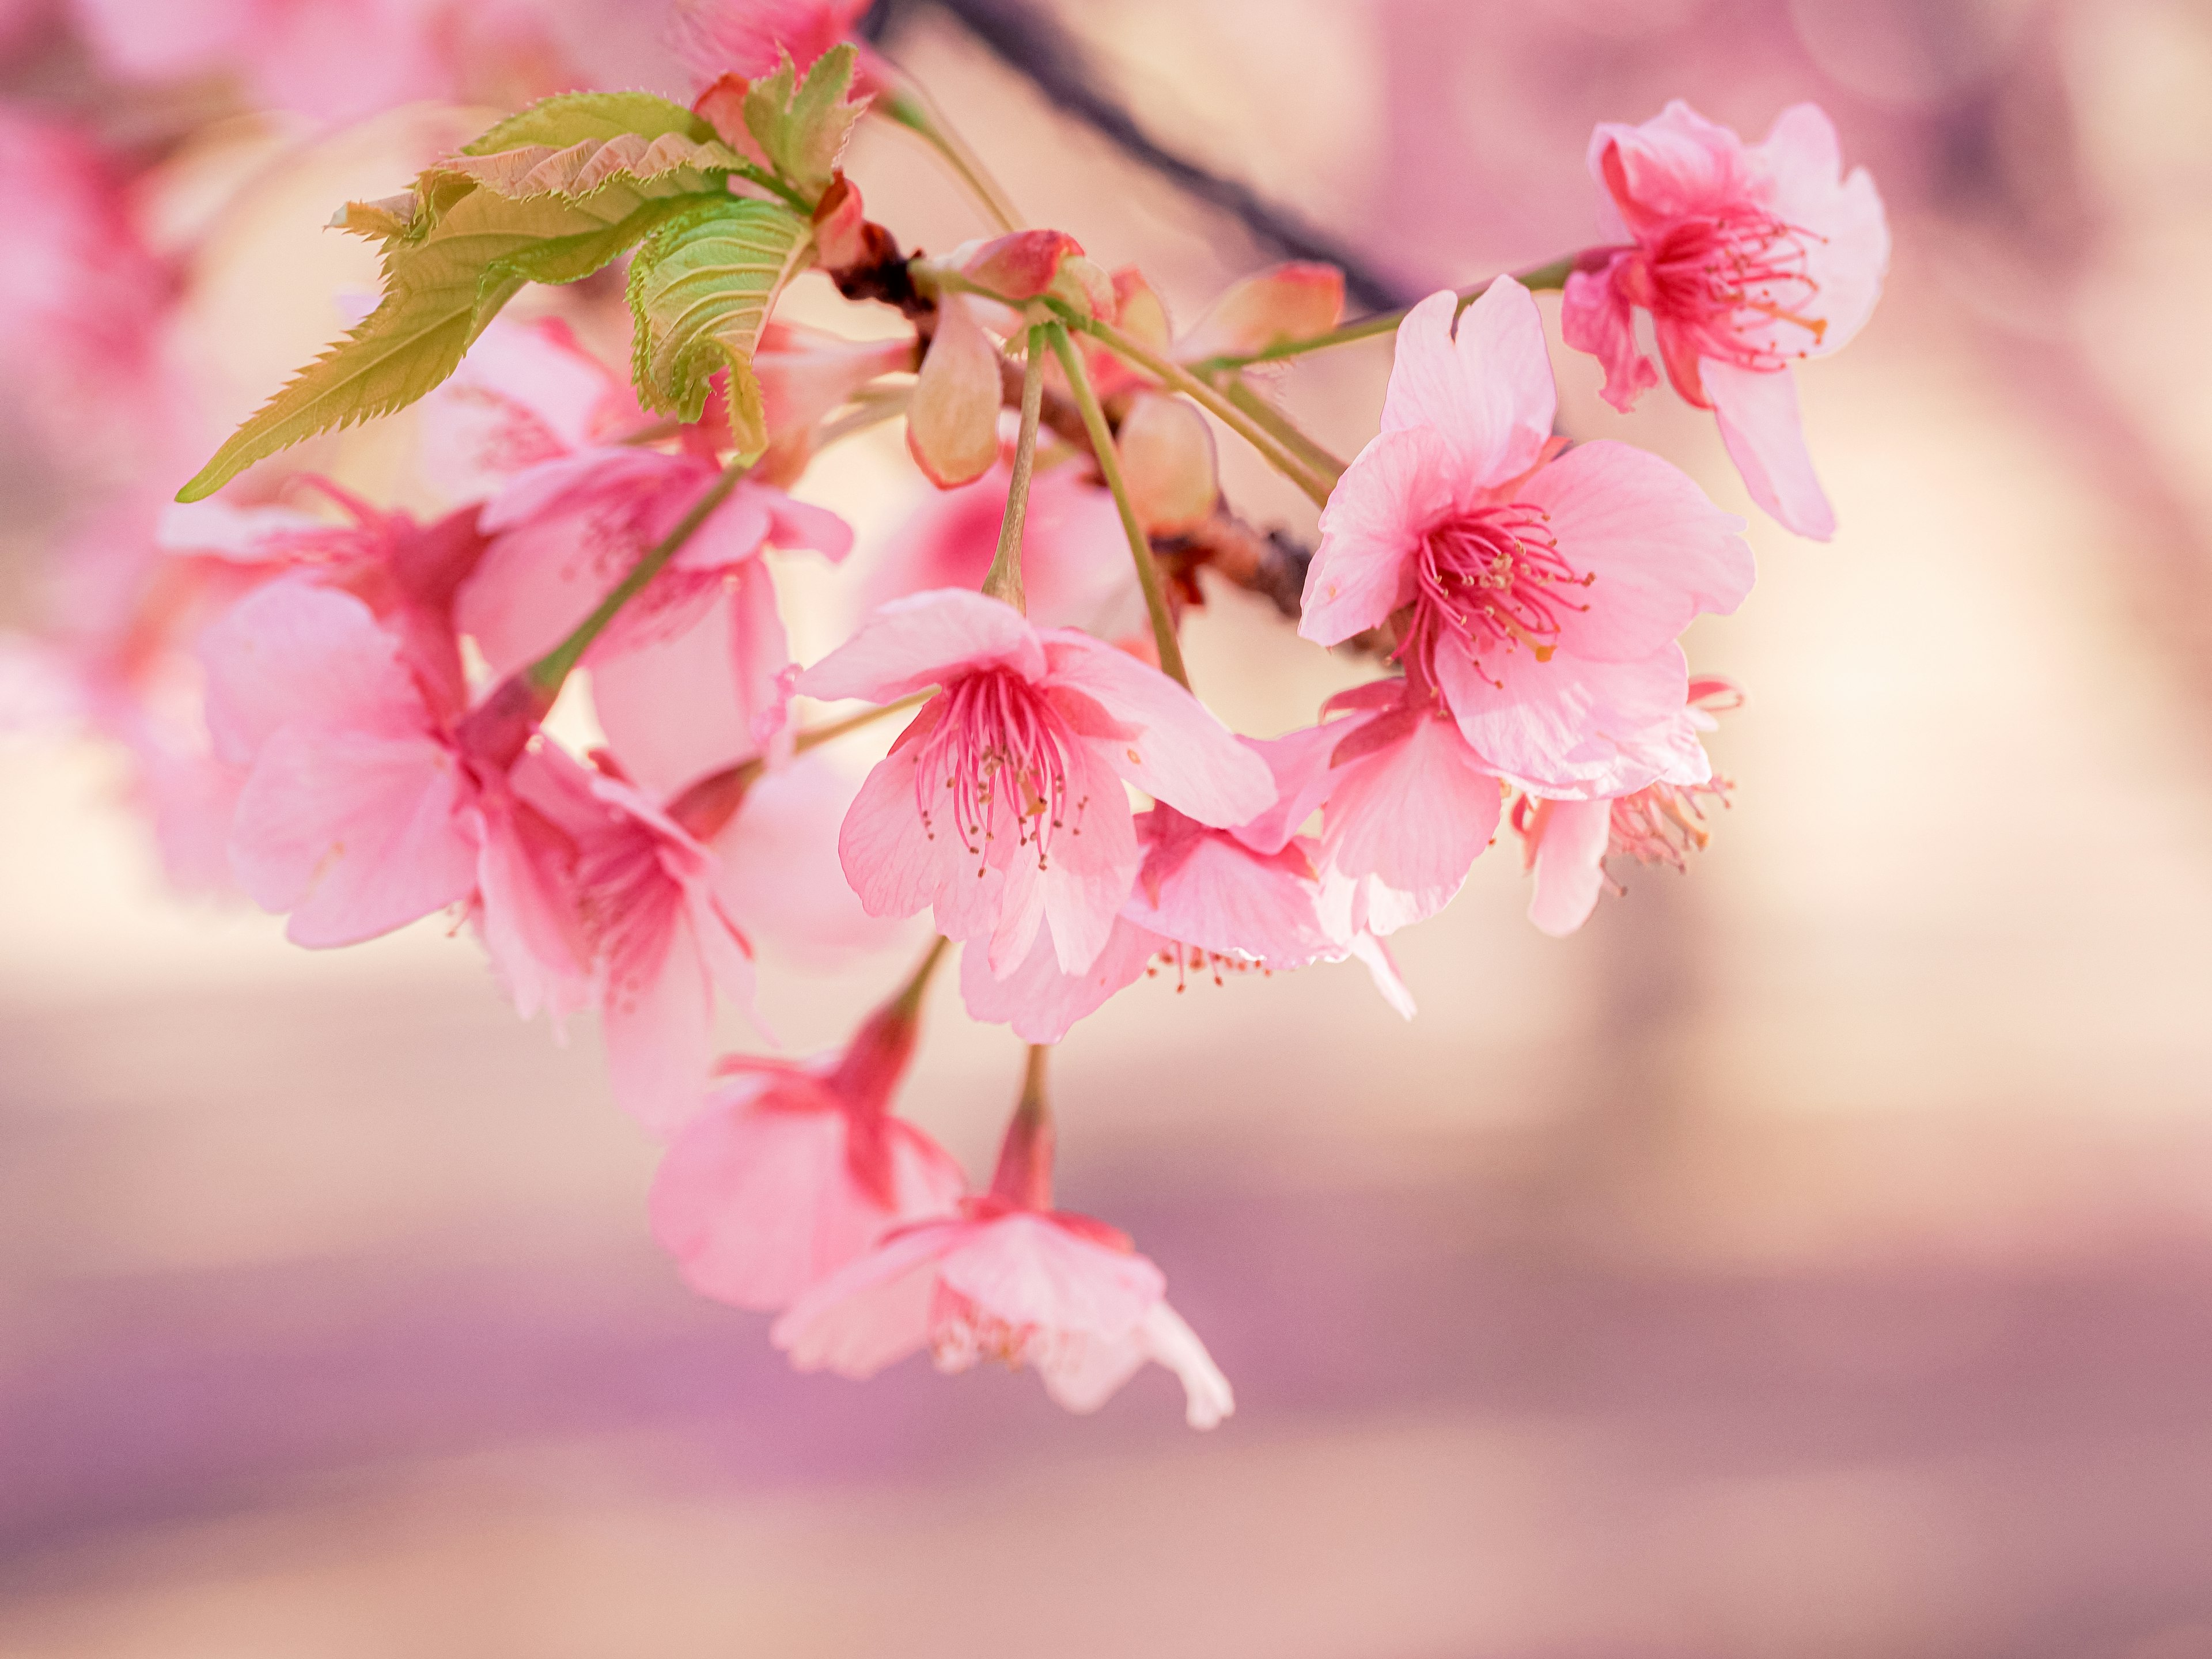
point(953, 423)
point(1578, 729)
point(872, 1311)
point(1488, 387)
point(1040, 999)
point(1570, 864)
point(1397, 488)
point(923, 640)
point(1181, 753)
point(1658, 550)
point(1765, 439)
point(1028, 1270)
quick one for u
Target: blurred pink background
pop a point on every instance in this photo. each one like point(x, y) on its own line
point(1813, 1257)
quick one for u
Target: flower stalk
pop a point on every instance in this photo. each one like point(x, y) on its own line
point(1004, 580)
point(1109, 468)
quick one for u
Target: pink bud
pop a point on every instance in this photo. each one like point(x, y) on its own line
point(723, 105)
point(952, 424)
point(1286, 302)
point(1016, 267)
point(1168, 462)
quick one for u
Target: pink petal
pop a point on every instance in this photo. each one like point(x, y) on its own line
point(1091, 861)
point(1375, 956)
point(1224, 897)
point(952, 424)
point(1847, 250)
point(1180, 753)
point(527, 912)
point(1395, 490)
point(1027, 1270)
point(1570, 864)
point(1040, 999)
point(1575, 728)
point(1595, 316)
point(922, 639)
point(1017, 266)
point(1765, 439)
point(1284, 302)
point(1487, 388)
point(1168, 463)
point(1677, 165)
point(874, 1310)
point(658, 1018)
point(1415, 814)
point(355, 833)
point(293, 652)
point(1300, 764)
point(1658, 549)
point(679, 707)
point(758, 1202)
point(897, 868)
point(1207, 1397)
point(777, 866)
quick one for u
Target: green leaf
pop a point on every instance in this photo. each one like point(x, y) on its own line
point(575, 117)
point(670, 165)
point(700, 290)
point(802, 127)
point(445, 276)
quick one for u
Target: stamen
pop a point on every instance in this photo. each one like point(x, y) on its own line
point(1490, 579)
point(1731, 289)
point(998, 745)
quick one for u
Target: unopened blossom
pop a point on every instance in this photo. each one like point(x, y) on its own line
point(1013, 1279)
point(1747, 258)
point(1567, 842)
point(1001, 805)
point(791, 1169)
point(1536, 594)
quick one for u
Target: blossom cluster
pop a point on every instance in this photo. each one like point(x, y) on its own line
point(341, 708)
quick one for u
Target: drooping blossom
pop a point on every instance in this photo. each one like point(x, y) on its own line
point(1010, 1279)
point(1406, 806)
point(360, 811)
point(1207, 900)
point(1536, 593)
point(790, 1170)
point(1748, 257)
point(1567, 842)
point(1001, 805)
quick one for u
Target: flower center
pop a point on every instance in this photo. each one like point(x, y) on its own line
point(1487, 580)
point(998, 751)
point(1736, 287)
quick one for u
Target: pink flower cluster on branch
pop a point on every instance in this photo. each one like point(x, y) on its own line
point(564, 711)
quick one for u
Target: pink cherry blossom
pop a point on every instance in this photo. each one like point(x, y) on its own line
point(357, 815)
point(1001, 805)
point(792, 1171)
point(661, 945)
point(526, 393)
point(1567, 842)
point(1536, 594)
point(1748, 257)
point(1013, 1279)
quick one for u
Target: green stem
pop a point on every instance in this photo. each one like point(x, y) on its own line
point(1176, 378)
point(1004, 579)
point(546, 674)
point(1285, 430)
point(1109, 467)
point(906, 106)
point(1552, 275)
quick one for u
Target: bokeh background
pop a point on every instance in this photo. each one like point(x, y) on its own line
point(1813, 1257)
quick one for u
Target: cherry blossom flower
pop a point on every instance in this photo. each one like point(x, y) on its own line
point(1567, 842)
point(1536, 593)
point(1748, 257)
point(1001, 805)
point(792, 1171)
point(1013, 1279)
point(358, 812)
